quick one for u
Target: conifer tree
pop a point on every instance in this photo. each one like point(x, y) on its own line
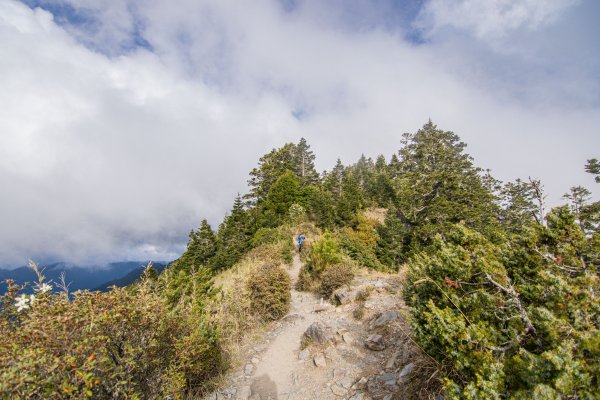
point(332, 182)
point(518, 208)
point(202, 244)
point(593, 167)
point(351, 199)
point(283, 193)
point(304, 164)
point(438, 186)
point(233, 237)
point(270, 167)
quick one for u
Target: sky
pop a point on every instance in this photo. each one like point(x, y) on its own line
point(123, 123)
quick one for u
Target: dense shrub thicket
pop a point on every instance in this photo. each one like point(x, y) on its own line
point(122, 344)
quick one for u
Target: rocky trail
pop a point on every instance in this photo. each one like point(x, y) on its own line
point(359, 349)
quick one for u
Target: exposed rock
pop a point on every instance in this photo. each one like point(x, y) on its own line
point(316, 332)
point(375, 342)
point(303, 355)
point(357, 396)
point(383, 319)
point(330, 353)
point(248, 369)
point(338, 390)
point(254, 360)
point(342, 297)
point(407, 370)
point(319, 360)
point(291, 317)
point(243, 393)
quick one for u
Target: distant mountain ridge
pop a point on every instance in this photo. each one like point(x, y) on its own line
point(130, 278)
point(79, 277)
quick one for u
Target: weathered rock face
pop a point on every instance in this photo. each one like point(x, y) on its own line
point(375, 342)
point(317, 332)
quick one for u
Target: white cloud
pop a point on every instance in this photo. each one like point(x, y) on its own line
point(491, 19)
point(114, 155)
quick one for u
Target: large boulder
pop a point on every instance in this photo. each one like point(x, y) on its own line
point(316, 332)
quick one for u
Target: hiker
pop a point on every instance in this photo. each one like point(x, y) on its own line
point(301, 238)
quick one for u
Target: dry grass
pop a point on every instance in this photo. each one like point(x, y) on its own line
point(376, 214)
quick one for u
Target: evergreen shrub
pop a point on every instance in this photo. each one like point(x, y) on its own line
point(334, 277)
point(269, 289)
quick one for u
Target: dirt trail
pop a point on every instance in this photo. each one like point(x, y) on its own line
point(343, 368)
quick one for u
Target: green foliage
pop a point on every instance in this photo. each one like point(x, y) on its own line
point(323, 253)
point(319, 205)
point(269, 290)
point(438, 186)
point(283, 194)
point(233, 238)
point(334, 277)
point(517, 319)
point(202, 245)
point(593, 167)
point(360, 243)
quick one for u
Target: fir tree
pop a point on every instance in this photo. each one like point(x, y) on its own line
point(233, 237)
point(304, 164)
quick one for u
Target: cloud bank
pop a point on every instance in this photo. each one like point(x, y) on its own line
point(123, 123)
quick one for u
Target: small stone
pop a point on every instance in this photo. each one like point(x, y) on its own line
point(319, 360)
point(254, 360)
point(357, 396)
point(375, 343)
point(347, 337)
point(259, 348)
point(388, 397)
point(303, 355)
point(338, 390)
point(392, 360)
point(338, 374)
point(347, 382)
point(244, 393)
point(362, 383)
point(248, 369)
point(290, 317)
point(387, 379)
point(407, 370)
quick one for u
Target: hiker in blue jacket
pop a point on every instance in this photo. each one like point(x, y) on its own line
point(301, 238)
